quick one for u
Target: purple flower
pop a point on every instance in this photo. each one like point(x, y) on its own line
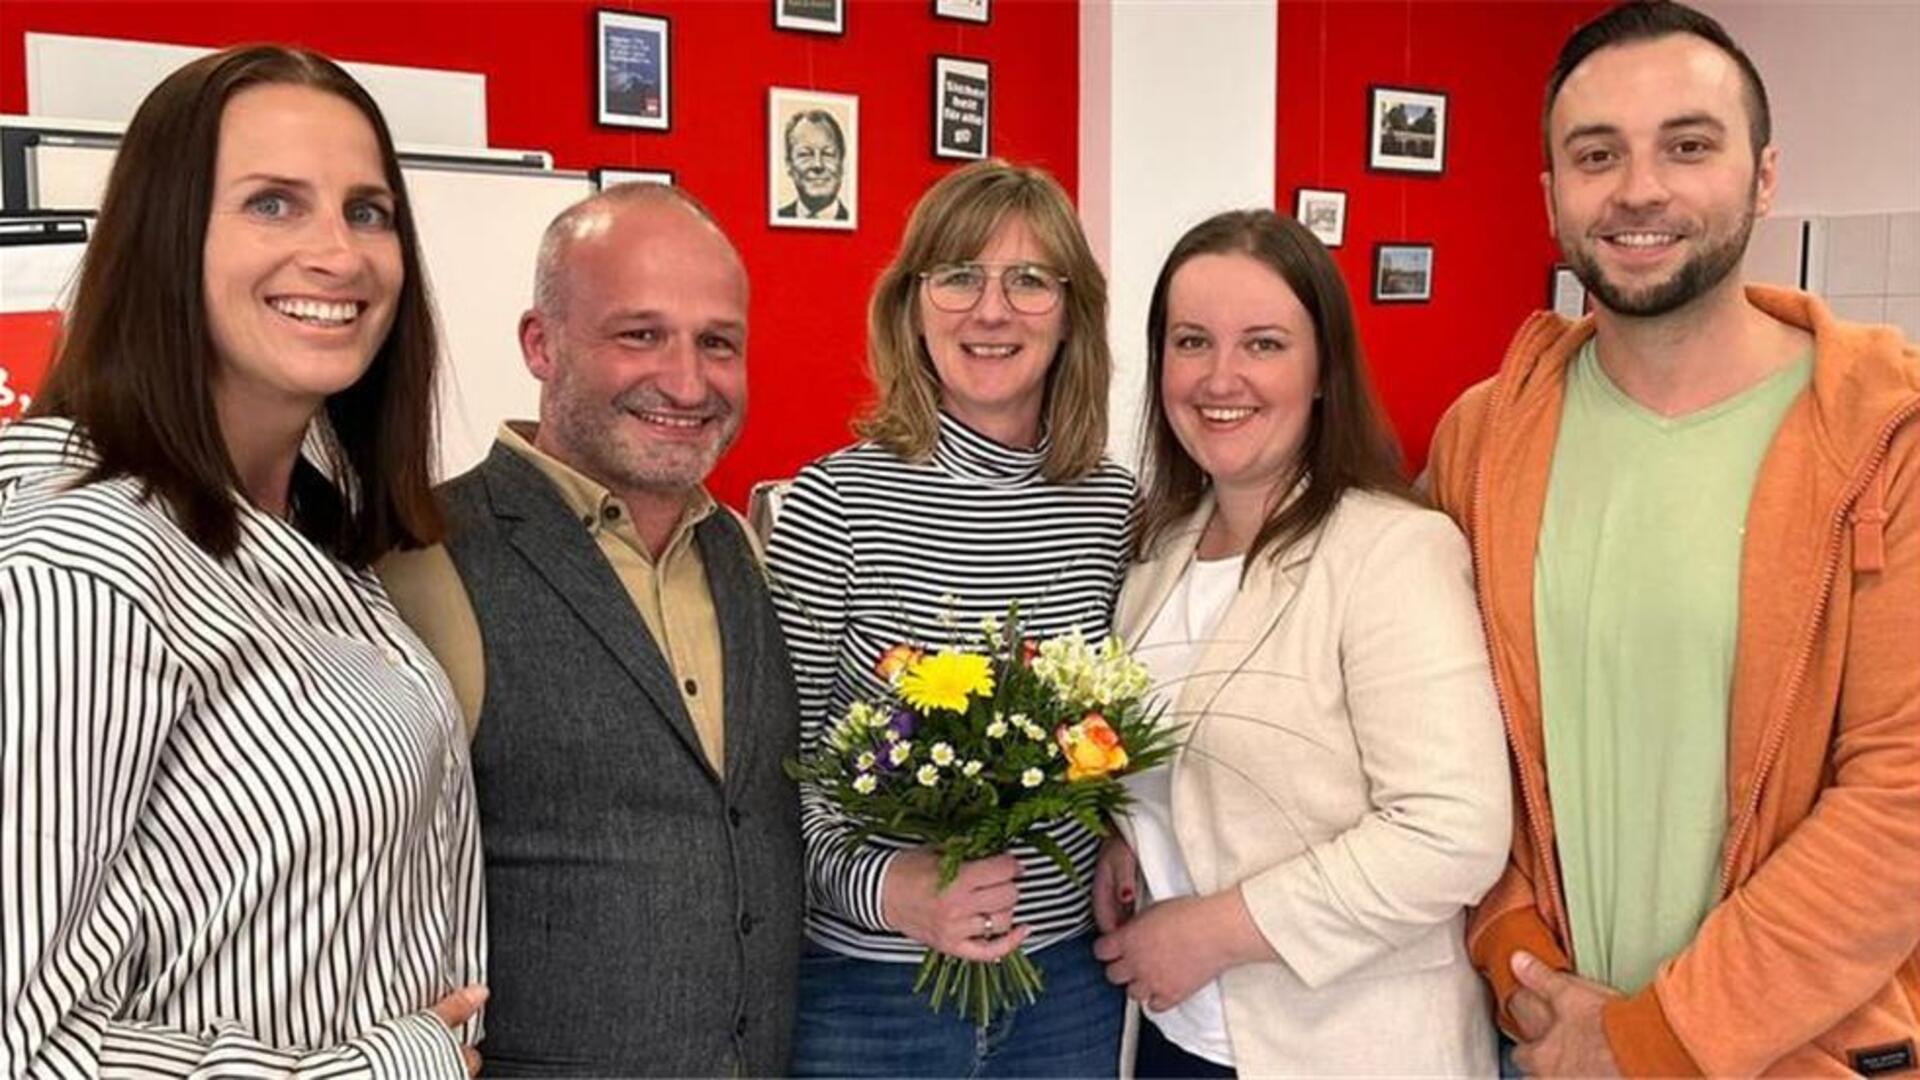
point(903, 722)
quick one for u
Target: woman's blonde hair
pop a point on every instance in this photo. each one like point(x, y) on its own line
point(952, 223)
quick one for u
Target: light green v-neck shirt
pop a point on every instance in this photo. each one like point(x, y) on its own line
point(1636, 594)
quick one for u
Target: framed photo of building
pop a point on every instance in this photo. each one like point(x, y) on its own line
point(633, 75)
point(1407, 130)
point(1324, 213)
point(606, 177)
point(962, 100)
point(813, 159)
point(812, 16)
point(976, 11)
point(1566, 294)
point(1402, 273)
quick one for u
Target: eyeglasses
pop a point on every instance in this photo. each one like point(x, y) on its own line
point(1029, 289)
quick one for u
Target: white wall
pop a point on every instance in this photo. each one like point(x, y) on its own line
point(1843, 77)
point(1176, 123)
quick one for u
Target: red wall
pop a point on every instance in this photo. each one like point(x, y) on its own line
point(810, 287)
point(1484, 216)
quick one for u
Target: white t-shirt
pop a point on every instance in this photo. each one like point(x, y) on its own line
point(1172, 646)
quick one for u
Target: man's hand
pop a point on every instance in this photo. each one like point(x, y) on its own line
point(971, 918)
point(1113, 878)
point(1173, 948)
point(1558, 1014)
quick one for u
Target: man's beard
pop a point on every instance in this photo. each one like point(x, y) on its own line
point(592, 430)
point(1704, 270)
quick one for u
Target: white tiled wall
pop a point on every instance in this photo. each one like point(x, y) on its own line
point(1868, 267)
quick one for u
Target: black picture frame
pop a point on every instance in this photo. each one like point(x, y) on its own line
point(952, 130)
point(790, 15)
point(606, 176)
point(1402, 272)
point(1393, 147)
point(616, 104)
point(969, 11)
point(1310, 206)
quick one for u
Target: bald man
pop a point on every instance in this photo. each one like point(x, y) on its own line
point(609, 635)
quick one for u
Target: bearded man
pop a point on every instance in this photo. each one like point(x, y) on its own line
point(1696, 523)
point(608, 632)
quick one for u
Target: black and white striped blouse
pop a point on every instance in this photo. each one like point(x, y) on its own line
point(871, 551)
point(237, 828)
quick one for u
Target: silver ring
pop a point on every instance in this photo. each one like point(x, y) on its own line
point(986, 925)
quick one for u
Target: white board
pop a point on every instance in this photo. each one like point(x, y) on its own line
point(90, 78)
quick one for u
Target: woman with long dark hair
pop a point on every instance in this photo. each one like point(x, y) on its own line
point(235, 805)
point(1340, 796)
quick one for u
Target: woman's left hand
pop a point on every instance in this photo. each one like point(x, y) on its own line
point(1165, 953)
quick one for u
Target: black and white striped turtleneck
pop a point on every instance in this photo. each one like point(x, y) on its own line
point(871, 551)
point(236, 817)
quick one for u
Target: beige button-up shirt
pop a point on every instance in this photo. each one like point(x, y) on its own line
point(670, 593)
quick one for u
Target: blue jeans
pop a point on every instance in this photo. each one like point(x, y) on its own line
point(862, 1018)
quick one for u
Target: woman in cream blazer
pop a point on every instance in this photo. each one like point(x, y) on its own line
point(1342, 794)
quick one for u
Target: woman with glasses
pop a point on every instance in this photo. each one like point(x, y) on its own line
point(980, 483)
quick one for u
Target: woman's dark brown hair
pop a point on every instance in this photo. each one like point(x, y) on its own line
point(1347, 445)
point(137, 364)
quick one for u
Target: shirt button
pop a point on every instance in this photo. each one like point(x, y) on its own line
point(733, 816)
point(746, 923)
point(587, 520)
point(610, 512)
point(693, 688)
point(740, 1027)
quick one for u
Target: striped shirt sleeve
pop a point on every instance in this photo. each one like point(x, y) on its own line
point(811, 558)
point(90, 696)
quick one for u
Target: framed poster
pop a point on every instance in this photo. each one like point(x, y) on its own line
point(1407, 130)
point(962, 99)
point(812, 16)
point(813, 159)
point(1324, 213)
point(1402, 273)
point(606, 177)
point(975, 11)
point(633, 78)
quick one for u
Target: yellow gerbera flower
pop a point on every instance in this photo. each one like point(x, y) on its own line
point(945, 679)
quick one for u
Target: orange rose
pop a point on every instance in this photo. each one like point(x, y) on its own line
point(894, 661)
point(1092, 748)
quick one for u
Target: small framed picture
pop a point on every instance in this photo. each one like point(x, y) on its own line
point(813, 159)
point(634, 76)
point(1324, 213)
point(1402, 273)
point(1407, 130)
point(812, 16)
point(962, 96)
point(604, 177)
point(964, 10)
point(1566, 294)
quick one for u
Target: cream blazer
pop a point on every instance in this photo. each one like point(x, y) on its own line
point(1345, 766)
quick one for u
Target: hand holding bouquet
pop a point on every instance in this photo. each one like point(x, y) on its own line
point(977, 749)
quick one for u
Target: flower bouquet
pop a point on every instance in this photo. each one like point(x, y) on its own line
point(976, 749)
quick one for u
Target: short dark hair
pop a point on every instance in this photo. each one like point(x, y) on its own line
point(1348, 445)
point(137, 362)
point(1644, 20)
point(814, 116)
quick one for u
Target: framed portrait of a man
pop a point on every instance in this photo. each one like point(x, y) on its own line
point(813, 159)
point(633, 78)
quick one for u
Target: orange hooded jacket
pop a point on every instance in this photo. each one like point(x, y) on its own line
point(1807, 964)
